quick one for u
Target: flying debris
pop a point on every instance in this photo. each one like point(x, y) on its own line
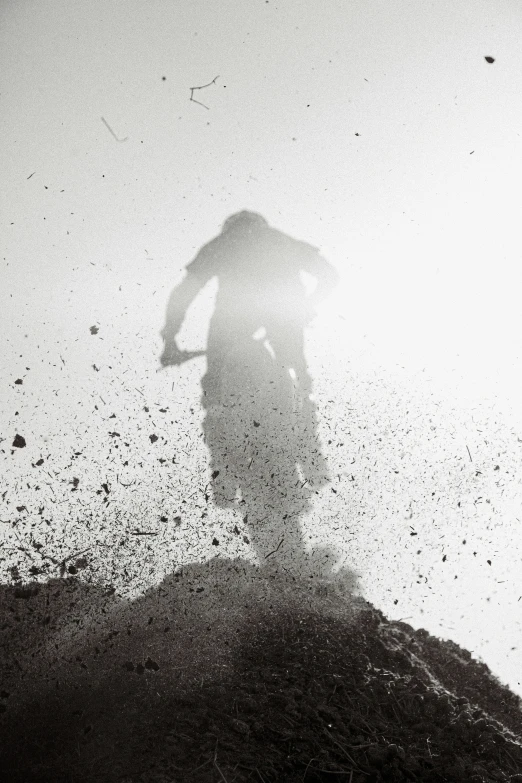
point(201, 88)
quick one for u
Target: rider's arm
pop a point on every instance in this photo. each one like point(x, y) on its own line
point(197, 275)
point(326, 275)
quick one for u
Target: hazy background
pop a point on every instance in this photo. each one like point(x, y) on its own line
point(376, 131)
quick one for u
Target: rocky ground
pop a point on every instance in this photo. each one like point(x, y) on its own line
point(225, 673)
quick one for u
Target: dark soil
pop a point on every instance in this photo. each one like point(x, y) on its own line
point(225, 674)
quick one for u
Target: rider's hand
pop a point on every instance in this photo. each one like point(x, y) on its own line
point(171, 354)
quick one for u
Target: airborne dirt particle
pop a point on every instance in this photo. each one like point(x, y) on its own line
point(19, 442)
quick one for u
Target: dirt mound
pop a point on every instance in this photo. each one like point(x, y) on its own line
point(300, 689)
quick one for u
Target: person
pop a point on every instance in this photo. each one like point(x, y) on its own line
point(260, 421)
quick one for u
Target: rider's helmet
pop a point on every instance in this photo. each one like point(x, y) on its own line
point(244, 221)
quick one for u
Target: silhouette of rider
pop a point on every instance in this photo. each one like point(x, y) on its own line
point(260, 424)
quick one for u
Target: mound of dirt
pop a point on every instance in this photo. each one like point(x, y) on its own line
point(213, 677)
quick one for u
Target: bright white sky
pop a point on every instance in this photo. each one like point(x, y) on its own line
point(376, 131)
